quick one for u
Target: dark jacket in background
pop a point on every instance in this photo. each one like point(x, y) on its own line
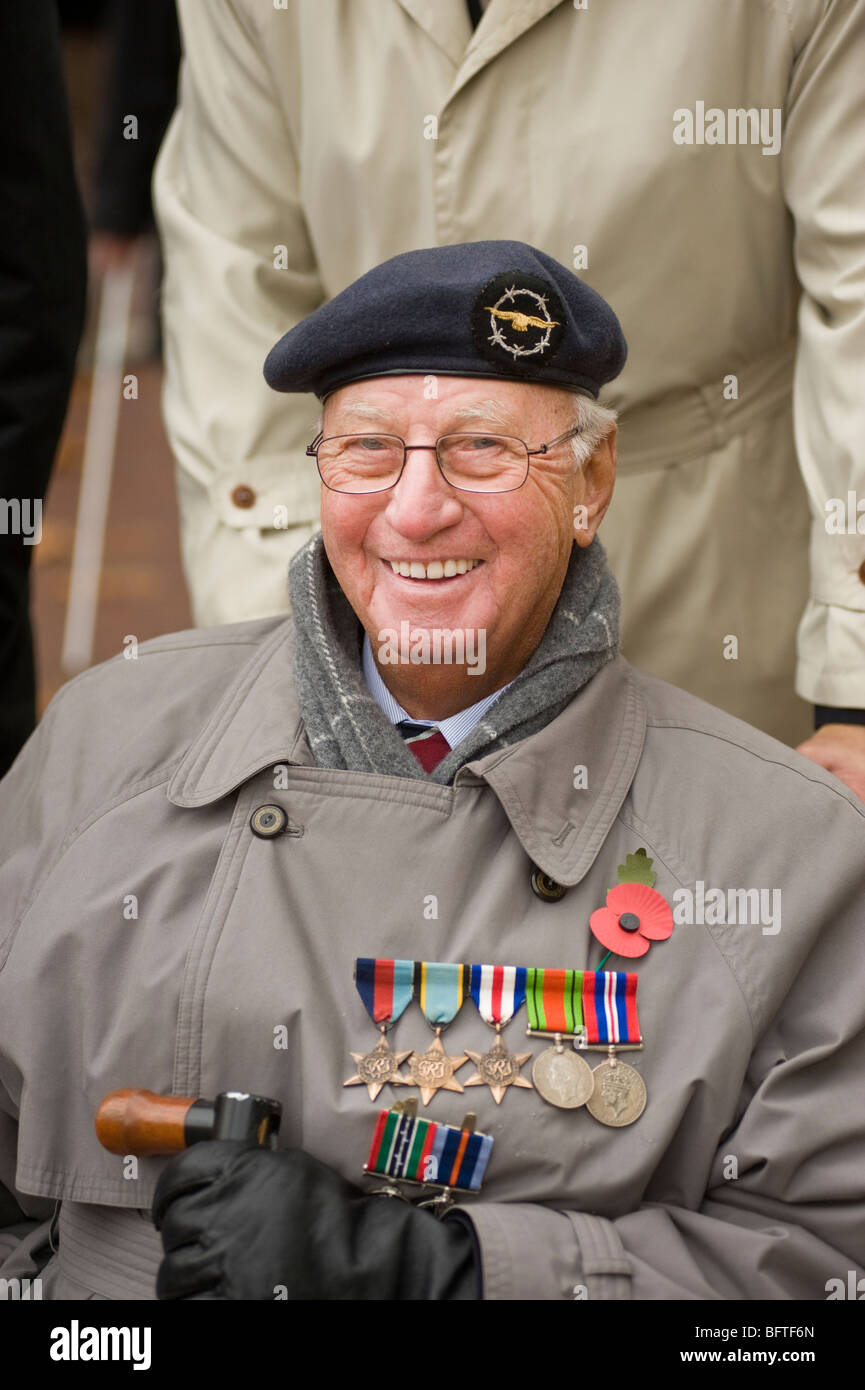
point(43, 276)
point(142, 83)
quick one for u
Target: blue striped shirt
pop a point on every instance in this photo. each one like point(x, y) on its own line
point(455, 728)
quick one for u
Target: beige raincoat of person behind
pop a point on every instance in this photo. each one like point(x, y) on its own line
point(149, 938)
point(316, 138)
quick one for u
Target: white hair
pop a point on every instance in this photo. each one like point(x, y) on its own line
point(595, 422)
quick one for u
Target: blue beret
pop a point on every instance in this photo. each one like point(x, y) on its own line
point(498, 309)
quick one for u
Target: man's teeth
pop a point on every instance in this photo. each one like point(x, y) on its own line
point(436, 569)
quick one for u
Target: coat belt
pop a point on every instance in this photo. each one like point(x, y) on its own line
point(112, 1252)
point(688, 424)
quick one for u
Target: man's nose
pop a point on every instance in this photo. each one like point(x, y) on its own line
point(422, 501)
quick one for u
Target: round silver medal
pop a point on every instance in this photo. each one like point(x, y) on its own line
point(562, 1078)
point(618, 1094)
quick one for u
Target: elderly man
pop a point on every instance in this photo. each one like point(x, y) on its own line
point(436, 803)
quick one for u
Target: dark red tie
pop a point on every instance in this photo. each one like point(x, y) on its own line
point(428, 745)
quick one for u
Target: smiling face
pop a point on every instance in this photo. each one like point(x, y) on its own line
point(490, 563)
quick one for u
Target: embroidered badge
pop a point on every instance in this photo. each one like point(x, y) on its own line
point(635, 915)
point(518, 318)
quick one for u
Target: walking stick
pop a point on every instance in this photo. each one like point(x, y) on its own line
point(140, 1122)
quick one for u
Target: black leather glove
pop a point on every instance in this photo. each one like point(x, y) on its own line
point(250, 1223)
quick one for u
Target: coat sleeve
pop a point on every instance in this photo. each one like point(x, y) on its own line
point(37, 806)
point(823, 168)
point(239, 272)
point(783, 1209)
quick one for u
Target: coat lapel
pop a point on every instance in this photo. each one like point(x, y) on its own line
point(256, 723)
point(562, 827)
point(504, 22)
point(446, 22)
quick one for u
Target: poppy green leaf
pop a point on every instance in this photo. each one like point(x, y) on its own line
point(637, 868)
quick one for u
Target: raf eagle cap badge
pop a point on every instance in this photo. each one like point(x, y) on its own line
point(517, 316)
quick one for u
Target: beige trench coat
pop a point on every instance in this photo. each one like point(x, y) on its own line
point(149, 938)
point(317, 138)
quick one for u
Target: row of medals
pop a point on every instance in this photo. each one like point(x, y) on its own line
point(613, 1092)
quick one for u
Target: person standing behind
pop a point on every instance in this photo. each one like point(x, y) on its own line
point(701, 166)
point(140, 99)
point(43, 277)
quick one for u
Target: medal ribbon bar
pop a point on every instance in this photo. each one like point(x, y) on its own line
point(415, 1150)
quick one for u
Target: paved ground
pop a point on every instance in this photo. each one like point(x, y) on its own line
point(142, 590)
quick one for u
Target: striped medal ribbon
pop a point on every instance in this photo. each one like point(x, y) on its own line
point(411, 1149)
point(441, 989)
point(386, 988)
point(609, 999)
point(554, 1002)
point(597, 1007)
point(498, 991)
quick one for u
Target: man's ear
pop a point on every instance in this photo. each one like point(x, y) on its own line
point(595, 489)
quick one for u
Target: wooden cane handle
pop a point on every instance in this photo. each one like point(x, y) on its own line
point(140, 1122)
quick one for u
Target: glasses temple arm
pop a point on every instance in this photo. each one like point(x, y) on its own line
point(568, 434)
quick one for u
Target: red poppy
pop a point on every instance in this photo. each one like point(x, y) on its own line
point(634, 917)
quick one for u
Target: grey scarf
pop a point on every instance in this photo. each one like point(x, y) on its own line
point(347, 729)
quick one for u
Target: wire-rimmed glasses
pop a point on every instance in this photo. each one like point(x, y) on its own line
point(367, 463)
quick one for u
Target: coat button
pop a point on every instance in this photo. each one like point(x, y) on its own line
point(546, 888)
point(862, 573)
point(243, 496)
point(268, 821)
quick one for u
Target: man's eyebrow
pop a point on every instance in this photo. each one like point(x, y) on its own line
point(490, 410)
point(365, 410)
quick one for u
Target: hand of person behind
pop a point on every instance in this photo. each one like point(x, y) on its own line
point(840, 748)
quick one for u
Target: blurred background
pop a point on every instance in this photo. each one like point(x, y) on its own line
point(120, 57)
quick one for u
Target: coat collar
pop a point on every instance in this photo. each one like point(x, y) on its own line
point(258, 723)
point(446, 22)
point(562, 826)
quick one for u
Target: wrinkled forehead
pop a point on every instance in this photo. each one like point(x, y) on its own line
point(391, 402)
